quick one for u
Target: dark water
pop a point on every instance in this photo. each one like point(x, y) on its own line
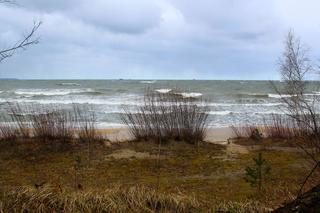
point(230, 101)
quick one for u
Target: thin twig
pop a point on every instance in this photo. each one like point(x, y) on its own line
point(27, 40)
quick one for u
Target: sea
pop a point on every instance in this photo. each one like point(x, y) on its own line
point(230, 102)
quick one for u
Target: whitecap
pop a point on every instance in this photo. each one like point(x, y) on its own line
point(270, 113)
point(163, 90)
point(147, 82)
point(257, 94)
point(220, 112)
point(130, 100)
point(49, 92)
point(315, 93)
point(190, 95)
point(279, 96)
point(244, 104)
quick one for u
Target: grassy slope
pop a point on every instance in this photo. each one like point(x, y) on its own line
point(208, 172)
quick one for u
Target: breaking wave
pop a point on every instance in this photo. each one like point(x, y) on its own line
point(50, 92)
point(190, 95)
point(163, 90)
point(147, 82)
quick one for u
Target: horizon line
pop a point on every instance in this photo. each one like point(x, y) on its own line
point(134, 79)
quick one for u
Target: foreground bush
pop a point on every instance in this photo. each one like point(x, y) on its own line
point(168, 116)
point(135, 199)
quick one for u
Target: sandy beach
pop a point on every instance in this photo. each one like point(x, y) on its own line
point(214, 135)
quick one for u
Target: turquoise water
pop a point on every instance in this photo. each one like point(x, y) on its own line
point(230, 101)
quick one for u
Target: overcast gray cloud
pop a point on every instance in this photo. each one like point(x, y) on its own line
point(205, 39)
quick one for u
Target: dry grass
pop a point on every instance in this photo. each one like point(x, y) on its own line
point(280, 127)
point(116, 199)
point(208, 173)
point(9, 132)
point(86, 121)
point(48, 124)
point(284, 127)
point(168, 116)
point(240, 207)
point(277, 127)
point(244, 131)
point(134, 199)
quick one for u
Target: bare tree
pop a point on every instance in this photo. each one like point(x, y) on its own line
point(295, 66)
point(27, 40)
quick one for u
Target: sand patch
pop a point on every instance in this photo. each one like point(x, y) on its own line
point(129, 153)
point(236, 149)
point(219, 135)
point(109, 131)
point(225, 175)
point(119, 135)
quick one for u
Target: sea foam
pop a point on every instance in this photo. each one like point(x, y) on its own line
point(50, 92)
point(190, 95)
point(163, 90)
point(147, 82)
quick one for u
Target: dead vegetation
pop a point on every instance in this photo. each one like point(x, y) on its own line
point(49, 124)
point(168, 117)
point(244, 131)
point(117, 199)
point(275, 127)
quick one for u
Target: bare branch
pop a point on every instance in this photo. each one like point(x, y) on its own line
point(307, 177)
point(294, 67)
point(27, 40)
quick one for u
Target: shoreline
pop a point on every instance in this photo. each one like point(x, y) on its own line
point(213, 135)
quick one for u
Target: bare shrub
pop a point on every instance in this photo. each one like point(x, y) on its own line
point(277, 126)
point(168, 116)
point(8, 130)
point(20, 120)
point(280, 127)
point(295, 66)
point(86, 124)
point(246, 131)
point(50, 123)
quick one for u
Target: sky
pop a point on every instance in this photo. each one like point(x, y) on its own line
point(155, 39)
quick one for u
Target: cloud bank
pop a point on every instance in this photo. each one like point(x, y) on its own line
point(155, 39)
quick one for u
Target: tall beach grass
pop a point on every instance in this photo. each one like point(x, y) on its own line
point(50, 123)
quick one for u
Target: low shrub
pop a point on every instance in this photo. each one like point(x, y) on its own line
point(49, 123)
point(168, 117)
